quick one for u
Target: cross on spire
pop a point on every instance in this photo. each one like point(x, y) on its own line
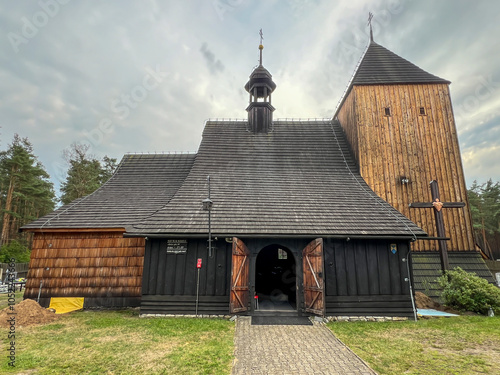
point(370, 16)
point(261, 47)
point(437, 205)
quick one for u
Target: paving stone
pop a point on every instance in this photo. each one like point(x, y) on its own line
point(292, 349)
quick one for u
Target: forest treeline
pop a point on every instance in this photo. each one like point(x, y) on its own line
point(27, 192)
point(484, 201)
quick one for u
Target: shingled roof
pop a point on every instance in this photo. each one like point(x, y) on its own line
point(298, 180)
point(381, 66)
point(141, 185)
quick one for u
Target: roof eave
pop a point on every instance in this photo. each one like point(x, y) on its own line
point(74, 230)
point(280, 235)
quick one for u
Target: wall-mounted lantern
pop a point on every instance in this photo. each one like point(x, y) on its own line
point(207, 206)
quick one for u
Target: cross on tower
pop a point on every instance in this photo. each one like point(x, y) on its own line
point(261, 47)
point(370, 16)
point(438, 215)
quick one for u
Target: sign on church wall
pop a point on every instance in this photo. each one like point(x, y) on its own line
point(176, 246)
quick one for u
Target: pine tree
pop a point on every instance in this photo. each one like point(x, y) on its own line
point(25, 188)
point(85, 173)
point(484, 200)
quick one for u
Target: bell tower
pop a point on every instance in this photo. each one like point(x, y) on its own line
point(260, 87)
point(399, 121)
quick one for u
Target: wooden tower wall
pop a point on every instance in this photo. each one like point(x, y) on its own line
point(101, 266)
point(406, 143)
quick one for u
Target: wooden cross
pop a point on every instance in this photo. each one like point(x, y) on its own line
point(370, 16)
point(438, 215)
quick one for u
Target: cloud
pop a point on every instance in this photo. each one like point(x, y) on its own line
point(215, 66)
point(481, 163)
point(61, 85)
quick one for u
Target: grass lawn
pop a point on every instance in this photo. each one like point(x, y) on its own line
point(119, 342)
point(459, 345)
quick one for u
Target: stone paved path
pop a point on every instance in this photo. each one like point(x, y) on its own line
point(287, 349)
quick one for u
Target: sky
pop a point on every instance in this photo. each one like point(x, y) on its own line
point(144, 76)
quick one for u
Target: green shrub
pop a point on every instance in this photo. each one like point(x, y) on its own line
point(468, 292)
point(14, 250)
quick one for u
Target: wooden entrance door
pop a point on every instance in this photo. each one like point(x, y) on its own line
point(238, 300)
point(314, 285)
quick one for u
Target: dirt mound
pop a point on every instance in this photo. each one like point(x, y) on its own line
point(28, 313)
point(424, 302)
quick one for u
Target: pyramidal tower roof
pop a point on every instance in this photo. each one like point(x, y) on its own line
point(380, 66)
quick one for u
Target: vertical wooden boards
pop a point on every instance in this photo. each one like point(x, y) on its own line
point(362, 280)
point(146, 270)
point(313, 277)
point(159, 278)
point(348, 119)
point(330, 270)
point(372, 272)
point(420, 147)
point(379, 274)
point(365, 268)
point(98, 264)
point(340, 268)
point(175, 274)
point(222, 266)
point(240, 277)
point(152, 267)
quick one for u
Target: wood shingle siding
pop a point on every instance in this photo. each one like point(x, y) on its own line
point(380, 66)
point(300, 179)
point(103, 267)
point(141, 184)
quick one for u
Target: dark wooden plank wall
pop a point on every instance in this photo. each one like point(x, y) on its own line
point(420, 147)
point(169, 282)
point(365, 278)
point(103, 267)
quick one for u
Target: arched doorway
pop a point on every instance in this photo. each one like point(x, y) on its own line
point(275, 279)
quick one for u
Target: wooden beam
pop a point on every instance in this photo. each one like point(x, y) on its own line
point(430, 205)
point(437, 205)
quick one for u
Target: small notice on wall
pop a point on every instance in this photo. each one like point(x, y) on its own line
point(177, 246)
point(282, 254)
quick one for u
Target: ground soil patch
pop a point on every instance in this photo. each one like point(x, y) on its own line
point(28, 313)
point(424, 302)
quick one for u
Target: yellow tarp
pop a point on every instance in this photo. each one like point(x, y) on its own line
point(64, 305)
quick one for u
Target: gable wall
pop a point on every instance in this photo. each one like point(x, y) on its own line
point(420, 147)
point(103, 267)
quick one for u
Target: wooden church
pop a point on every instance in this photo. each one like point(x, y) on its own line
point(328, 217)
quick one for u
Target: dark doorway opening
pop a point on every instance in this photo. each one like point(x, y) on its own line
point(275, 279)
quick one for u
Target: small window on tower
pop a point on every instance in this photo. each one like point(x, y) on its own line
point(387, 111)
point(422, 111)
